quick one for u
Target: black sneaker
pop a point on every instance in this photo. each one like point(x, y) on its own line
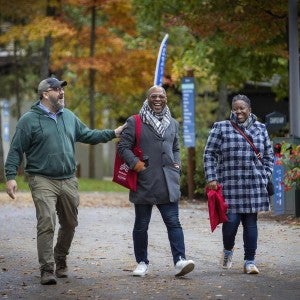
point(47, 277)
point(61, 269)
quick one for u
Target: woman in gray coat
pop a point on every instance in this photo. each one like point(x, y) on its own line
point(230, 161)
point(158, 178)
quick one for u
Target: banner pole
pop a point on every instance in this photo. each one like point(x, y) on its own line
point(160, 63)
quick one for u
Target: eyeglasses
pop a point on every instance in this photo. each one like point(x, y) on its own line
point(154, 96)
point(57, 89)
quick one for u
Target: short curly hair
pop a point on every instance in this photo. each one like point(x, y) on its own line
point(242, 98)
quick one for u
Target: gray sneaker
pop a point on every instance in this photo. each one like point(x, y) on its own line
point(61, 269)
point(227, 259)
point(47, 277)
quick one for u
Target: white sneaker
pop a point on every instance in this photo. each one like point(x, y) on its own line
point(250, 268)
point(184, 266)
point(141, 269)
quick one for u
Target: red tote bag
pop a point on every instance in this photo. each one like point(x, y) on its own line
point(122, 174)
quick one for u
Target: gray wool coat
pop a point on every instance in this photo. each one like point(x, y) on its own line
point(229, 159)
point(160, 182)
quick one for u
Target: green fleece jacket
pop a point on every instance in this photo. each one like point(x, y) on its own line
point(49, 145)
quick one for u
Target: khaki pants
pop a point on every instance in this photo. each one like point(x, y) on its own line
point(53, 197)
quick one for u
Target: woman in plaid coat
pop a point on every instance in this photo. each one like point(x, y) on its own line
point(229, 160)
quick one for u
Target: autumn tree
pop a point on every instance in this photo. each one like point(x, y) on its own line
point(103, 60)
point(227, 43)
point(244, 40)
point(22, 67)
point(108, 57)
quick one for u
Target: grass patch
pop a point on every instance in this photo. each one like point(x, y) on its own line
point(85, 185)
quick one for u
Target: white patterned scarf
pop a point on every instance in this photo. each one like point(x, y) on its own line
point(159, 121)
point(247, 124)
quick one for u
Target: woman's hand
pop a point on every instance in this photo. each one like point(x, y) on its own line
point(212, 185)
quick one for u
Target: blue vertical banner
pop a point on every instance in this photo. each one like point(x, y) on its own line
point(161, 61)
point(188, 111)
point(278, 197)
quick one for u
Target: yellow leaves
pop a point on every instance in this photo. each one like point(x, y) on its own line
point(87, 3)
point(37, 30)
point(238, 9)
point(102, 64)
point(123, 67)
point(20, 10)
point(110, 43)
point(44, 26)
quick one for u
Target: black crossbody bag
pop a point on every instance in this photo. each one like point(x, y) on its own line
point(270, 185)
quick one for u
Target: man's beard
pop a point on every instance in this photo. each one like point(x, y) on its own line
point(57, 105)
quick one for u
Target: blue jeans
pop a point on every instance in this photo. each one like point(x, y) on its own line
point(170, 215)
point(250, 234)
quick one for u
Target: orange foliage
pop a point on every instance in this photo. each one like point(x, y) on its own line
point(123, 72)
point(120, 16)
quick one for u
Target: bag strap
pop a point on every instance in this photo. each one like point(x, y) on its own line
point(137, 129)
point(258, 155)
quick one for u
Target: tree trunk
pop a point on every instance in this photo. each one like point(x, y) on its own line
point(2, 176)
point(44, 70)
point(92, 74)
point(223, 110)
point(16, 71)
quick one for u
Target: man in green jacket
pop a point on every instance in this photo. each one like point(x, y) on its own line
point(47, 134)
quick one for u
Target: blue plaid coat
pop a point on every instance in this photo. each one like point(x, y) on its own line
point(229, 159)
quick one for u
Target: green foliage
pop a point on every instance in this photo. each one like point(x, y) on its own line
point(85, 185)
point(199, 179)
point(204, 105)
point(239, 41)
point(89, 185)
